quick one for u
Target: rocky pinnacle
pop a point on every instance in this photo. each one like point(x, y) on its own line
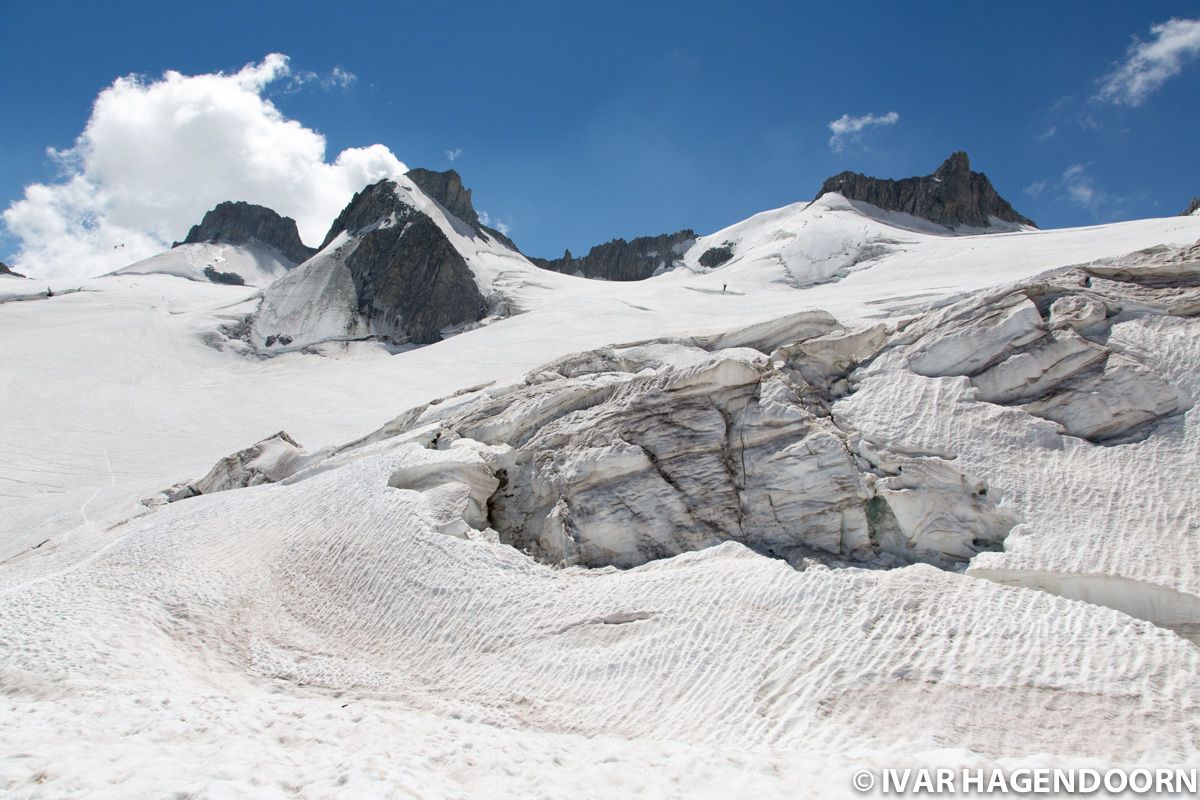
point(953, 196)
point(238, 223)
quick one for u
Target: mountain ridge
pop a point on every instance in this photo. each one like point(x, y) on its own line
point(952, 196)
point(238, 222)
point(5, 269)
point(620, 260)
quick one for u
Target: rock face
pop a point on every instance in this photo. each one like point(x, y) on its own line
point(229, 278)
point(714, 257)
point(7, 270)
point(1193, 207)
point(238, 223)
point(385, 270)
point(626, 454)
point(953, 196)
point(447, 188)
point(408, 278)
point(620, 260)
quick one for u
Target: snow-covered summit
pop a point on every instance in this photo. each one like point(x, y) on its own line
point(236, 243)
point(396, 265)
point(251, 263)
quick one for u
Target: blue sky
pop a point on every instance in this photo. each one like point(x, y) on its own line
point(576, 123)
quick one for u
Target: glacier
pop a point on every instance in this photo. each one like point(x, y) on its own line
point(866, 493)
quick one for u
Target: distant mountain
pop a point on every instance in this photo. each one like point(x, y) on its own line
point(619, 260)
point(400, 263)
point(239, 223)
point(5, 269)
point(1193, 208)
point(953, 196)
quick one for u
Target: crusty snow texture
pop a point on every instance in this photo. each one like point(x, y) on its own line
point(735, 559)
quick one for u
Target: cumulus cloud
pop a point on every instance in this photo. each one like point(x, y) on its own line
point(155, 155)
point(847, 129)
point(1149, 64)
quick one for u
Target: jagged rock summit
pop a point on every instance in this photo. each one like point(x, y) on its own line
point(953, 196)
point(5, 269)
point(619, 260)
point(238, 223)
point(1193, 208)
point(447, 188)
point(401, 263)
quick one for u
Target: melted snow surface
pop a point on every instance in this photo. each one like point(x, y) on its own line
point(356, 630)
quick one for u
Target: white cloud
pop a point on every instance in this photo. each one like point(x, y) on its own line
point(453, 154)
point(156, 155)
point(1078, 187)
point(1053, 129)
point(1036, 189)
point(1081, 189)
point(847, 129)
point(339, 77)
point(1148, 65)
point(495, 222)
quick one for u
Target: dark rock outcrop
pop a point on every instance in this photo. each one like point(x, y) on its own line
point(952, 196)
point(447, 188)
point(409, 279)
point(620, 260)
point(5, 269)
point(230, 278)
point(716, 256)
point(1192, 208)
point(238, 223)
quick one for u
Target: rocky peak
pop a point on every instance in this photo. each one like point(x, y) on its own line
point(5, 269)
point(1193, 207)
point(238, 222)
point(621, 260)
point(367, 207)
point(952, 196)
point(405, 279)
point(956, 167)
point(447, 188)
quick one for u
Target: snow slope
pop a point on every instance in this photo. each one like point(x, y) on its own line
point(325, 635)
point(256, 263)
